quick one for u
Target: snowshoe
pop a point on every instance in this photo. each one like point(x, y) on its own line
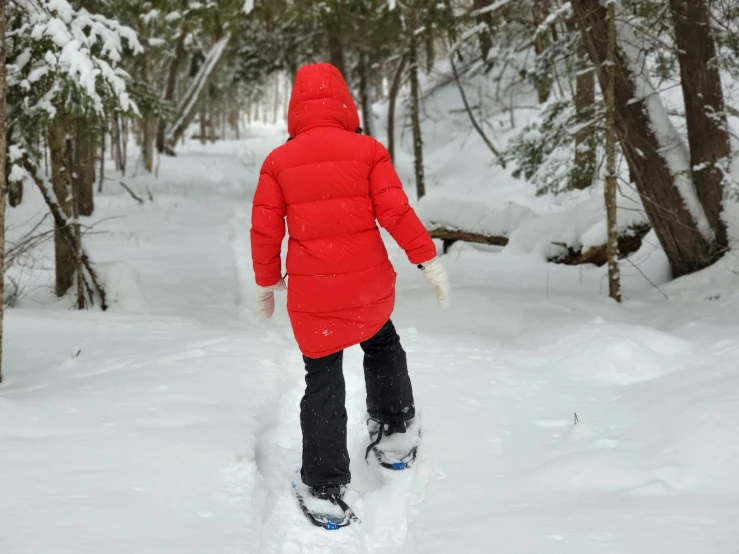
point(324, 506)
point(395, 445)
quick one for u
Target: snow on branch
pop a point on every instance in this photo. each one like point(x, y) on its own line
point(495, 6)
point(81, 49)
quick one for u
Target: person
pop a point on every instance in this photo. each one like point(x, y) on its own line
point(333, 184)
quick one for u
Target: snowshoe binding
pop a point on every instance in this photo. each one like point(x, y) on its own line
point(395, 445)
point(324, 506)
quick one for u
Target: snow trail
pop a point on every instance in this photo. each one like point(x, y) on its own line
point(170, 424)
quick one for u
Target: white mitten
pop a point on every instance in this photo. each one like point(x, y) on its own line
point(436, 275)
point(266, 298)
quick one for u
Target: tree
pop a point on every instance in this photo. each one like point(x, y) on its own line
point(540, 13)
point(614, 279)
point(705, 111)
point(658, 159)
point(415, 105)
point(61, 178)
point(585, 136)
point(64, 64)
point(3, 180)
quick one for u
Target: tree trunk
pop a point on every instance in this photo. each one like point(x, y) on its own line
point(101, 182)
point(585, 140)
point(276, 105)
point(365, 96)
point(678, 225)
point(74, 188)
point(212, 117)
point(335, 45)
point(65, 255)
point(486, 20)
point(115, 141)
point(540, 12)
point(203, 122)
point(392, 98)
point(430, 50)
point(614, 276)
point(705, 111)
point(179, 52)
point(147, 125)
point(3, 180)
point(83, 171)
point(416, 115)
point(124, 140)
point(15, 194)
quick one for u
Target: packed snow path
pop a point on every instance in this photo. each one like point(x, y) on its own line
point(170, 424)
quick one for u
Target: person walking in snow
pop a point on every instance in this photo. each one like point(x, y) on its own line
point(333, 185)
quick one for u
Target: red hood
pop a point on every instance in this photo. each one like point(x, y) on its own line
point(320, 98)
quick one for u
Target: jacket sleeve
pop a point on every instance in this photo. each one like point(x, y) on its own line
point(268, 228)
point(393, 211)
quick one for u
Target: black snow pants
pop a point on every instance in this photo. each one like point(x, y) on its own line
point(323, 414)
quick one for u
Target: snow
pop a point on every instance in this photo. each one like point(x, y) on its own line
point(169, 424)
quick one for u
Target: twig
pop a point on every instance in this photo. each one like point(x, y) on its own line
point(472, 116)
point(133, 194)
point(648, 279)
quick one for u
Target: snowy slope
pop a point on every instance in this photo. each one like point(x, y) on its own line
point(170, 424)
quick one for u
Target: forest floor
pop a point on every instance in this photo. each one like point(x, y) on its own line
point(169, 424)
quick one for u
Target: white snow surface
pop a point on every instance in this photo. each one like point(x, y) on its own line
point(169, 424)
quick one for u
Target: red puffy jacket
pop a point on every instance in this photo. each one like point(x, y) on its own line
point(332, 184)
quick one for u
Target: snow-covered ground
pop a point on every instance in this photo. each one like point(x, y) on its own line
point(169, 424)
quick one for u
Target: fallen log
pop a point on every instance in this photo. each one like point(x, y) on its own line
point(629, 241)
point(450, 236)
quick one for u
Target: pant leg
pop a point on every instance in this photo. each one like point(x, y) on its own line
point(389, 391)
point(323, 421)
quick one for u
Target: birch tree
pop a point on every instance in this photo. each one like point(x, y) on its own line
point(3, 179)
point(614, 279)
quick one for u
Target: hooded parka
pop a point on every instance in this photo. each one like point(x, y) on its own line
point(332, 185)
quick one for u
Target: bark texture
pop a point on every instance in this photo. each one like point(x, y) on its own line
point(65, 255)
point(705, 111)
point(416, 114)
point(3, 181)
point(614, 277)
point(74, 189)
point(147, 124)
point(685, 246)
point(83, 177)
point(585, 136)
point(540, 12)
